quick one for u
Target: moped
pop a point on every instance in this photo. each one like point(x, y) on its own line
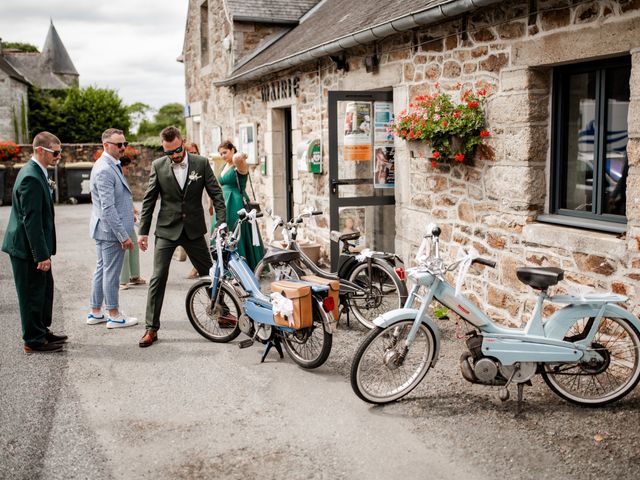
point(229, 302)
point(370, 283)
point(586, 352)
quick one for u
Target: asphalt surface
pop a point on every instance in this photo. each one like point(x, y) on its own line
point(188, 408)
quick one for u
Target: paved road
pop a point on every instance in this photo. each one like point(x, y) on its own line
point(184, 408)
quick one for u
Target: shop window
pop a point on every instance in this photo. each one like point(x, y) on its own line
point(589, 160)
point(204, 34)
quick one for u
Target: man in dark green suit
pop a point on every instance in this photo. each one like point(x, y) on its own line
point(179, 179)
point(30, 241)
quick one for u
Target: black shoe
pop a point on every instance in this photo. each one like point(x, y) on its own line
point(43, 348)
point(53, 338)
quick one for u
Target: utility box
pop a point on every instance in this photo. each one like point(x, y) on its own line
point(77, 177)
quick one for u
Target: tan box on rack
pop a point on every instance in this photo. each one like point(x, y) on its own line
point(334, 291)
point(300, 294)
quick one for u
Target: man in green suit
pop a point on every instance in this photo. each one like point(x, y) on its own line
point(30, 241)
point(179, 179)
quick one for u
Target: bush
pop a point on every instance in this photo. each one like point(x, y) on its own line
point(9, 151)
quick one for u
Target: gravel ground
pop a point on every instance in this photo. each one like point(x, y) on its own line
point(551, 440)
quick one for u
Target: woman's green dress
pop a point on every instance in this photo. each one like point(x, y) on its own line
point(233, 201)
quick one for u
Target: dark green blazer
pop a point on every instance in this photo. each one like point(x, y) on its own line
point(180, 208)
point(31, 232)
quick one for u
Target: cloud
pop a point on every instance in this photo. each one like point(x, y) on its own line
point(128, 46)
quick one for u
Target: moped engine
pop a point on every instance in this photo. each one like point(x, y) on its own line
point(476, 368)
point(246, 325)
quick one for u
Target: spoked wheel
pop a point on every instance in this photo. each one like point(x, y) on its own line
point(219, 322)
point(272, 272)
point(383, 370)
point(382, 291)
point(310, 347)
point(603, 382)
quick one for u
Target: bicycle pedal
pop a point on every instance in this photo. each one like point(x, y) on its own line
point(245, 343)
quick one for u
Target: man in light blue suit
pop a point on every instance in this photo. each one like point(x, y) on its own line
point(111, 227)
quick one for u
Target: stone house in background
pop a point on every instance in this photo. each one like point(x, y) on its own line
point(561, 187)
point(51, 69)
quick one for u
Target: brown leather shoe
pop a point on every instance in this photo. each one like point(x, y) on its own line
point(148, 338)
point(227, 321)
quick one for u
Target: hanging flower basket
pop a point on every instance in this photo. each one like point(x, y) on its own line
point(9, 151)
point(453, 130)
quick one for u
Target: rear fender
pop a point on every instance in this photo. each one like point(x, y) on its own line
point(559, 323)
point(392, 317)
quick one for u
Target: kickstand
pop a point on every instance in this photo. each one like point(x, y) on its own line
point(519, 405)
point(274, 342)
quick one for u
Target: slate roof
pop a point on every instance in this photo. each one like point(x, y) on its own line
point(55, 52)
point(273, 11)
point(7, 68)
point(42, 69)
point(35, 70)
point(336, 19)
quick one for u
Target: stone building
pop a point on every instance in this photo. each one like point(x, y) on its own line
point(51, 69)
point(559, 186)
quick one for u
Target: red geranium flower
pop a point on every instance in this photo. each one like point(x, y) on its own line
point(484, 133)
point(473, 104)
point(434, 164)
point(459, 157)
point(436, 154)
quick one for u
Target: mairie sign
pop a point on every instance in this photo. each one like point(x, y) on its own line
point(280, 89)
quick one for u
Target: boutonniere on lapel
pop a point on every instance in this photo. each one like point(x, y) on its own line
point(52, 184)
point(194, 177)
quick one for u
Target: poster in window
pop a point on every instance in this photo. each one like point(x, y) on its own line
point(248, 143)
point(384, 167)
point(383, 117)
point(357, 131)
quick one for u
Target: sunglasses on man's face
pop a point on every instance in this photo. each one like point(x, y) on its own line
point(177, 150)
point(54, 153)
point(119, 144)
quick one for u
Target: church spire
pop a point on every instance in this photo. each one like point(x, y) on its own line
point(55, 54)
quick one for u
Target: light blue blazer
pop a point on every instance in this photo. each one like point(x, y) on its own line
point(112, 212)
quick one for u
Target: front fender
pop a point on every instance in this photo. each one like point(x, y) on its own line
point(560, 322)
point(388, 319)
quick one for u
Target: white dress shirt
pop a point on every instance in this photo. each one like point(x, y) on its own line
point(180, 170)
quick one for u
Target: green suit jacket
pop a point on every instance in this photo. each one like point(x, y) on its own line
point(180, 209)
point(31, 232)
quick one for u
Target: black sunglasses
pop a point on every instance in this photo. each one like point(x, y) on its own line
point(168, 153)
point(119, 144)
point(54, 153)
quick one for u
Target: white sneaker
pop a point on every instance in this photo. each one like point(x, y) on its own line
point(96, 318)
point(121, 320)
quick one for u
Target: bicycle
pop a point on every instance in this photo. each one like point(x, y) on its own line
point(370, 283)
point(586, 352)
point(230, 302)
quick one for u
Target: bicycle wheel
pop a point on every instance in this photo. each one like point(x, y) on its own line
point(379, 374)
point(267, 273)
point(594, 385)
point(218, 323)
point(382, 291)
point(309, 347)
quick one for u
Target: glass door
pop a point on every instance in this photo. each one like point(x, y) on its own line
point(362, 169)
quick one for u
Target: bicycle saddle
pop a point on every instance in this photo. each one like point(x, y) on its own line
point(341, 237)
point(540, 278)
point(278, 255)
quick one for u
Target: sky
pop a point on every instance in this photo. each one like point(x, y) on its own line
point(129, 46)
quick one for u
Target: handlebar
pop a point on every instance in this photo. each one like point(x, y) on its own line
point(484, 261)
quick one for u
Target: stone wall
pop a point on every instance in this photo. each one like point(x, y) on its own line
point(137, 175)
point(12, 96)
point(491, 204)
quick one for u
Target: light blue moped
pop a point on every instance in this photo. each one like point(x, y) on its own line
point(586, 352)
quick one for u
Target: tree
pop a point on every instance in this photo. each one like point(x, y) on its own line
point(77, 115)
point(137, 113)
point(20, 46)
point(169, 114)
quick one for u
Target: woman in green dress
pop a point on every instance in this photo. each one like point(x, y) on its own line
point(236, 174)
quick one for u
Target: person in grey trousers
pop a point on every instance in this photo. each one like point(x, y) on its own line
point(112, 228)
